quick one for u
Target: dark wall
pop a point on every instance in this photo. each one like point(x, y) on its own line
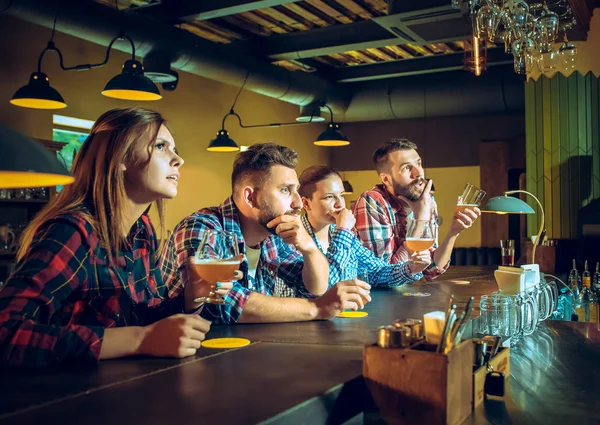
point(443, 141)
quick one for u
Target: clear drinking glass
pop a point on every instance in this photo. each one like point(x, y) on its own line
point(507, 251)
point(470, 198)
point(508, 316)
point(216, 260)
point(547, 299)
point(547, 60)
point(419, 236)
point(568, 55)
point(484, 20)
point(500, 316)
point(529, 311)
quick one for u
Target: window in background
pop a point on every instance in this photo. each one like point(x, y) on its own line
point(72, 132)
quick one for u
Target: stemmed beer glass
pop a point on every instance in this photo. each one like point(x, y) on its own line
point(216, 260)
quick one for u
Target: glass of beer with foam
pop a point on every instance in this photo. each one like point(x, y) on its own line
point(216, 260)
point(419, 236)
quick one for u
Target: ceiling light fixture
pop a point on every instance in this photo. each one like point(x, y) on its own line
point(331, 136)
point(131, 84)
point(224, 143)
point(25, 163)
point(475, 55)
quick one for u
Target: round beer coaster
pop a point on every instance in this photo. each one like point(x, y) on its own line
point(352, 314)
point(225, 343)
point(416, 294)
point(460, 282)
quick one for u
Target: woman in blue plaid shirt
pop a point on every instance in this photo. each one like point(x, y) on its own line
point(322, 194)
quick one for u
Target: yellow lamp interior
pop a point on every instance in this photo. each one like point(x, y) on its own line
point(131, 95)
point(19, 179)
point(222, 149)
point(38, 103)
point(332, 143)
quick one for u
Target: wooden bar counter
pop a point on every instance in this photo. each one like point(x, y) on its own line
point(307, 373)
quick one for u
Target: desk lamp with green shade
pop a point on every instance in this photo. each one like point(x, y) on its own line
point(511, 205)
point(25, 163)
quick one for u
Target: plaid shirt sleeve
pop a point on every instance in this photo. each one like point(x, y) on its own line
point(339, 253)
point(433, 271)
point(373, 226)
point(290, 269)
point(345, 246)
point(172, 303)
point(380, 273)
point(52, 269)
point(183, 244)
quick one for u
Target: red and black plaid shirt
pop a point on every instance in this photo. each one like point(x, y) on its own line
point(64, 293)
point(381, 227)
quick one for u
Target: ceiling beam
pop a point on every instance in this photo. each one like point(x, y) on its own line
point(414, 66)
point(194, 10)
point(321, 41)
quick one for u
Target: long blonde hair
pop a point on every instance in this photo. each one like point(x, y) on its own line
point(99, 177)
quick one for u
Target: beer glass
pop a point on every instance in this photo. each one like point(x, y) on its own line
point(470, 198)
point(216, 260)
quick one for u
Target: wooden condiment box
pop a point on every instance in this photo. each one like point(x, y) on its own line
point(420, 386)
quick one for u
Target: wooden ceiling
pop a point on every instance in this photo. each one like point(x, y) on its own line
point(296, 16)
point(326, 36)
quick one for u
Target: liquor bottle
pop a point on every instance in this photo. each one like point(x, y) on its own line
point(587, 308)
point(596, 280)
point(574, 286)
point(574, 281)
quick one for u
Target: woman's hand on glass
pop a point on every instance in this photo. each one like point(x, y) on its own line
point(419, 261)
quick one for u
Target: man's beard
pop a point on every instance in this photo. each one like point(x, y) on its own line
point(267, 214)
point(411, 192)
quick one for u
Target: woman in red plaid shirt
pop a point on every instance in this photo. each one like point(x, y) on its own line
point(86, 286)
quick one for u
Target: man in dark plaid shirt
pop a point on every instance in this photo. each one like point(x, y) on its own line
point(382, 212)
point(286, 277)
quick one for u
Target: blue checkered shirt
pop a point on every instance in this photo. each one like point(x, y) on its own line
point(278, 273)
point(349, 259)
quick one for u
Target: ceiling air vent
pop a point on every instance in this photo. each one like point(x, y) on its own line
point(402, 34)
point(435, 25)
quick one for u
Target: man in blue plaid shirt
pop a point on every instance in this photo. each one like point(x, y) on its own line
point(286, 277)
point(330, 224)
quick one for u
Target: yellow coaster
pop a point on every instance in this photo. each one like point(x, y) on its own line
point(460, 282)
point(353, 314)
point(225, 343)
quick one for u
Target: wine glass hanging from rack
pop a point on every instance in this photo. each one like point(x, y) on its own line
point(529, 31)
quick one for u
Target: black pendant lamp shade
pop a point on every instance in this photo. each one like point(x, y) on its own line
point(131, 84)
point(332, 136)
point(25, 163)
point(38, 94)
point(223, 143)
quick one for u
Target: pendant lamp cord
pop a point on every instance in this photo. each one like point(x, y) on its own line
point(239, 92)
